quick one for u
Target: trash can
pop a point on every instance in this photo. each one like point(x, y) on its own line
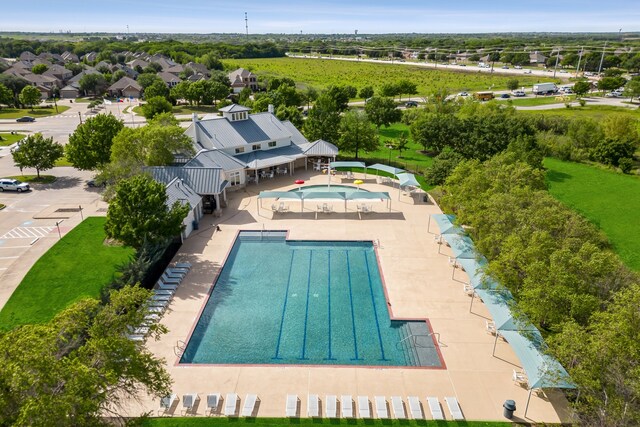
point(509, 407)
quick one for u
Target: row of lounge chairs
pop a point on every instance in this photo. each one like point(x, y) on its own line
point(162, 295)
point(364, 407)
point(191, 402)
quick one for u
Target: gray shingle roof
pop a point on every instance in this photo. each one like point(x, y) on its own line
point(203, 181)
point(125, 82)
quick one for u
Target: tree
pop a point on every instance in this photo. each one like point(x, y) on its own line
point(632, 89)
point(290, 113)
point(611, 83)
point(147, 79)
point(406, 87)
point(37, 152)
point(90, 144)
point(80, 366)
point(117, 76)
point(366, 92)
point(435, 131)
point(401, 144)
point(513, 84)
point(30, 96)
point(216, 91)
point(442, 166)
point(211, 61)
point(15, 84)
point(39, 68)
point(155, 106)
point(323, 120)
point(138, 212)
point(581, 88)
point(92, 83)
point(157, 88)
point(356, 133)
point(6, 97)
point(382, 111)
point(341, 95)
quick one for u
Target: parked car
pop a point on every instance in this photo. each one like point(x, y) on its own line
point(410, 104)
point(26, 119)
point(13, 185)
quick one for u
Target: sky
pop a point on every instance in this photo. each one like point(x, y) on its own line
point(320, 16)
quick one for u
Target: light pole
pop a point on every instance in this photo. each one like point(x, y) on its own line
point(80, 116)
point(390, 147)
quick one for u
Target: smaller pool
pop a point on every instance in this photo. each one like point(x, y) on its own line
point(325, 188)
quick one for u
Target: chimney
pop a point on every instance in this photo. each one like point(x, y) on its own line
point(194, 118)
point(270, 109)
point(196, 134)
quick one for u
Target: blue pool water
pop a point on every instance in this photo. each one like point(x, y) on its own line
point(301, 302)
point(348, 189)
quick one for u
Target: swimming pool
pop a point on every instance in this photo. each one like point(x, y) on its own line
point(279, 301)
point(347, 189)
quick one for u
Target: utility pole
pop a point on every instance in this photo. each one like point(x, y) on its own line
point(579, 60)
point(602, 57)
point(246, 25)
point(556, 67)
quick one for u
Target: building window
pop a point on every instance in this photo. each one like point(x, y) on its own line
point(234, 178)
point(239, 150)
point(234, 117)
point(272, 144)
point(256, 147)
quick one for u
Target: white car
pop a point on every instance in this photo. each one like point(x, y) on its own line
point(614, 94)
point(463, 94)
point(518, 93)
point(518, 67)
point(13, 185)
point(527, 71)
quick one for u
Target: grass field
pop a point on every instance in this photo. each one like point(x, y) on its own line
point(76, 267)
point(321, 73)
point(306, 422)
point(541, 100)
point(597, 112)
point(7, 139)
point(188, 109)
point(43, 179)
point(62, 161)
point(608, 199)
point(14, 113)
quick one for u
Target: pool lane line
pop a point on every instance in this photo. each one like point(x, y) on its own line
point(329, 304)
point(306, 312)
point(375, 312)
point(353, 317)
point(284, 308)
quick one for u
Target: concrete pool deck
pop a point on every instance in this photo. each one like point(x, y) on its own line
point(418, 284)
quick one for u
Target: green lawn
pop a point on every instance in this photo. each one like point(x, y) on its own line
point(321, 73)
point(7, 139)
point(596, 112)
point(62, 161)
point(49, 110)
point(541, 100)
point(43, 179)
point(188, 109)
point(76, 267)
point(608, 199)
point(307, 422)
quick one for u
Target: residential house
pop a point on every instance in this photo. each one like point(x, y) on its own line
point(198, 68)
point(175, 70)
point(128, 70)
point(242, 78)
point(45, 84)
point(59, 72)
point(69, 57)
point(537, 58)
point(89, 57)
point(103, 65)
point(126, 87)
point(169, 79)
point(70, 91)
point(27, 56)
point(164, 62)
point(138, 63)
point(83, 73)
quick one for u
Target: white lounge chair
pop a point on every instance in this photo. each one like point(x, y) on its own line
point(312, 406)
point(230, 404)
point(435, 408)
point(346, 406)
point(188, 401)
point(414, 407)
point(468, 289)
point(381, 407)
point(249, 405)
point(213, 401)
point(490, 327)
point(363, 407)
point(454, 408)
point(519, 378)
point(330, 409)
point(292, 405)
point(168, 401)
point(398, 407)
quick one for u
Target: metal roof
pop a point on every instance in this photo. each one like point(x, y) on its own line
point(215, 159)
point(178, 191)
point(321, 148)
point(219, 132)
point(204, 181)
point(277, 156)
point(296, 136)
point(385, 168)
point(234, 108)
point(347, 165)
point(407, 179)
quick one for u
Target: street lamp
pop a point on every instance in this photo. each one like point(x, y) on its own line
point(390, 147)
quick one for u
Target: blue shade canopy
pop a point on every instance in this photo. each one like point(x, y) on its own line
point(475, 270)
point(325, 195)
point(461, 246)
point(347, 165)
point(385, 168)
point(500, 303)
point(542, 370)
point(408, 179)
point(368, 195)
point(445, 224)
point(287, 195)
